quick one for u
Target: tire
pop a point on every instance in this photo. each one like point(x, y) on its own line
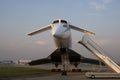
point(53, 70)
point(79, 70)
point(59, 70)
point(93, 76)
point(73, 70)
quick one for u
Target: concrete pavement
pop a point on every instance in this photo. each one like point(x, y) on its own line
point(55, 76)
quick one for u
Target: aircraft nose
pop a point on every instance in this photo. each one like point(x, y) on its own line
point(57, 34)
point(59, 31)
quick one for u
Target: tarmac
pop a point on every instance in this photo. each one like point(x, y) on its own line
point(56, 76)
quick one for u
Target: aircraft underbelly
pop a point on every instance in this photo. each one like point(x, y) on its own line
point(63, 43)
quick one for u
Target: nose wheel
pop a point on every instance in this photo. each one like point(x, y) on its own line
point(64, 73)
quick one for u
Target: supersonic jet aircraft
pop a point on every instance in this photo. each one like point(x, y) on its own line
point(61, 33)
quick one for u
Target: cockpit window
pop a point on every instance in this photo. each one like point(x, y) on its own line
point(56, 21)
point(63, 21)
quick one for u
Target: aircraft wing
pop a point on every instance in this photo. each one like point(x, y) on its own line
point(82, 30)
point(91, 61)
point(74, 57)
point(40, 61)
point(40, 30)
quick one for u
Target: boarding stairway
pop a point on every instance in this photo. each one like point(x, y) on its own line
point(93, 48)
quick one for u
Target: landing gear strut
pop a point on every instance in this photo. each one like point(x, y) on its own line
point(64, 73)
point(65, 61)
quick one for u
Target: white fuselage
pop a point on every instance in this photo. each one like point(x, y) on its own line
point(61, 34)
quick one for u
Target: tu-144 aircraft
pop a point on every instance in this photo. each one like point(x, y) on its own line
point(61, 32)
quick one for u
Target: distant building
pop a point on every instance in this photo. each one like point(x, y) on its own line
point(7, 62)
point(23, 62)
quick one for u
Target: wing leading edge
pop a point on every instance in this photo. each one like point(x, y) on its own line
point(40, 30)
point(82, 30)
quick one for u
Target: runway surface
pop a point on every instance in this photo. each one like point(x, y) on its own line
point(55, 76)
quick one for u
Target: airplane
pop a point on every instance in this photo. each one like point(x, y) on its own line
point(61, 32)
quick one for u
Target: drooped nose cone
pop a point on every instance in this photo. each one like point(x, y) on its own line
point(57, 34)
point(61, 34)
point(61, 31)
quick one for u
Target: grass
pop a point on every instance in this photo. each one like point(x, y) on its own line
point(11, 71)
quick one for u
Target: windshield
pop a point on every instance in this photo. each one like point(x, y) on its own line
point(63, 21)
point(56, 21)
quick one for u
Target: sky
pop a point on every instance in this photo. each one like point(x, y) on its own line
point(19, 17)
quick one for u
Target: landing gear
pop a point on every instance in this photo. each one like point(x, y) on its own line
point(65, 61)
point(64, 73)
point(56, 68)
point(76, 68)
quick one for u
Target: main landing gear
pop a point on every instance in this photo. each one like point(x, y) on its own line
point(76, 68)
point(65, 61)
point(64, 73)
